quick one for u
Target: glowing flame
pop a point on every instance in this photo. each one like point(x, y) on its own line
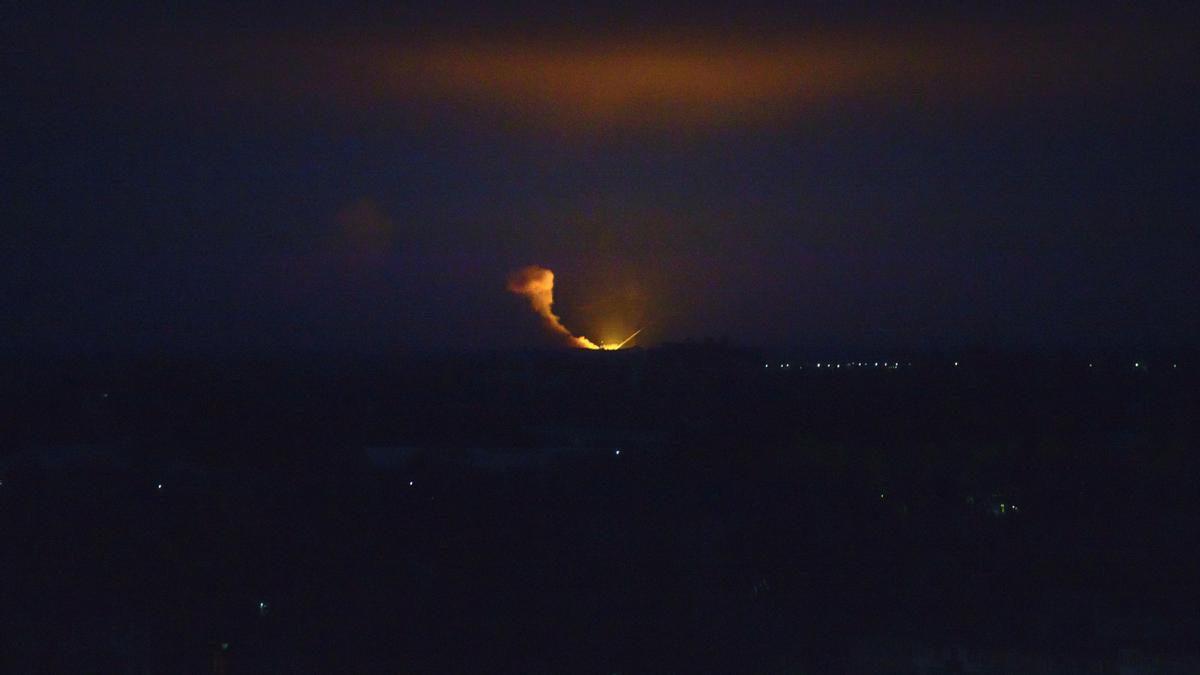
point(608, 346)
point(537, 284)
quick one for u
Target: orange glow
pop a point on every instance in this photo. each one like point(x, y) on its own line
point(612, 81)
point(575, 81)
point(704, 79)
point(633, 82)
point(609, 346)
point(537, 284)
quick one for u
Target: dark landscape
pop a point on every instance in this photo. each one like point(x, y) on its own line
point(690, 507)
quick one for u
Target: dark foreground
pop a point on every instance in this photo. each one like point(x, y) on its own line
point(928, 521)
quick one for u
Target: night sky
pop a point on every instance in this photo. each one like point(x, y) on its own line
point(194, 179)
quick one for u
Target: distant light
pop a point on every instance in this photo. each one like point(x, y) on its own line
point(881, 495)
point(876, 364)
point(617, 452)
point(263, 608)
point(224, 646)
point(1089, 365)
point(105, 394)
point(1174, 365)
point(1137, 364)
point(766, 365)
point(956, 364)
point(160, 486)
point(410, 483)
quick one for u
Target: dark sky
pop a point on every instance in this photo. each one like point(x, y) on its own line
point(824, 176)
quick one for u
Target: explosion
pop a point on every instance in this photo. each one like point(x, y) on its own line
point(537, 284)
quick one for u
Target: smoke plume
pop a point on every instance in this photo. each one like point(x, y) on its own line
point(537, 284)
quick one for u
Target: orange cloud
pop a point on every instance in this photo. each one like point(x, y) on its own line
point(661, 79)
point(537, 285)
point(706, 81)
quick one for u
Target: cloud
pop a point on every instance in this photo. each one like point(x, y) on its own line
point(536, 284)
point(665, 80)
point(364, 228)
point(660, 78)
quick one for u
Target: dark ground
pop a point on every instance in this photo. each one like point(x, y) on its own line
point(1013, 514)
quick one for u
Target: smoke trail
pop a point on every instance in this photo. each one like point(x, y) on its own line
point(626, 340)
point(537, 284)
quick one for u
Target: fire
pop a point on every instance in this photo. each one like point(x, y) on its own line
point(537, 284)
point(608, 346)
